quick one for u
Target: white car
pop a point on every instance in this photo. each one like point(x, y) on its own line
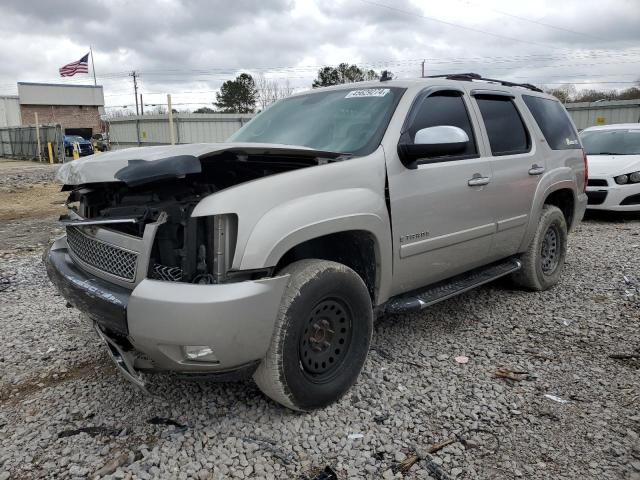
point(613, 156)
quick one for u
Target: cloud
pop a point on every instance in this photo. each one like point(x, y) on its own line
point(188, 47)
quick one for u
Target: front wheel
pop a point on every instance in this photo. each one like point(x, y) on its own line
point(321, 337)
point(543, 261)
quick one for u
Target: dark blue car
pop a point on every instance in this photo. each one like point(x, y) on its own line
point(84, 146)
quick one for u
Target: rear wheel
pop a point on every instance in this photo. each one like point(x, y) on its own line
point(543, 261)
point(321, 337)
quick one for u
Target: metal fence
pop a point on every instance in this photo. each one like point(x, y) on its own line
point(146, 130)
point(22, 142)
point(588, 114)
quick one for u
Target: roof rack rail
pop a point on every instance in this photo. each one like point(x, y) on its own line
point(474, 76)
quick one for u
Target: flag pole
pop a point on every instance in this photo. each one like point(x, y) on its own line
point(93, 66)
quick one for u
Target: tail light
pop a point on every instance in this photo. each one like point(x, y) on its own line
point(586, 169)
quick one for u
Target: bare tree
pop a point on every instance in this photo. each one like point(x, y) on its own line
point(270, 91)
point(564, 93)
point(120, 112)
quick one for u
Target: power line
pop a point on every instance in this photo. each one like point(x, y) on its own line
point(530, 20)
point(567, 79)
point(380, 63)
point(390, 63)
point(451, 24)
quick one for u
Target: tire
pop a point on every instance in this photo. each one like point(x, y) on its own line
point(543, 261)
point(308, 367)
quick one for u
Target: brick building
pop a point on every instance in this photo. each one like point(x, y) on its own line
point(77, 108)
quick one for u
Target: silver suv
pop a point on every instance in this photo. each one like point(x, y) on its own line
point(270, 255)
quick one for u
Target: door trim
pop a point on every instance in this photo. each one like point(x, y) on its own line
point(512, 222)
point(423, 246)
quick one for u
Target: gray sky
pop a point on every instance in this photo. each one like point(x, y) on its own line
point(189, 47)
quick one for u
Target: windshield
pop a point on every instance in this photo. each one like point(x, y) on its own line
point(74, 138)
point(345, 121)
point(611, 142)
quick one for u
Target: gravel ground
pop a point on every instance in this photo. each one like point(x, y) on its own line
point(66, 413)
point(18, 174)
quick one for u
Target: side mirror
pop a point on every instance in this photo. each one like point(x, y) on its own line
point(431, 142)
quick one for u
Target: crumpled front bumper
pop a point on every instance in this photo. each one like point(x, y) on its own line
point(158, 318)
point(102, 301)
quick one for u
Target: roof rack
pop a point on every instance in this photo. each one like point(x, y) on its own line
point(469, 77)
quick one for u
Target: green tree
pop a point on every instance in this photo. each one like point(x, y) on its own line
point(204, 110)
point(343, 73)
point(237, 96)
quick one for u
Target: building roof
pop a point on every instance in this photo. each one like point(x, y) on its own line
point(59, 85)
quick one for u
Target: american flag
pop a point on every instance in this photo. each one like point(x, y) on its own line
point(81, 66)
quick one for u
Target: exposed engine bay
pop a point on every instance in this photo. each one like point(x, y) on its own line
point(186, 249)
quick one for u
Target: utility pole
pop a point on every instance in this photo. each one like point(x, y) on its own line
point(422, 69)
point(171, 132)
point(38, 137)
point(134, 74)
point(141, 105)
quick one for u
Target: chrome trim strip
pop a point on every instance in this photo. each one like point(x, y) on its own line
point(512, 222)
point(146, 244)
point(71, 223)
point(423, 246)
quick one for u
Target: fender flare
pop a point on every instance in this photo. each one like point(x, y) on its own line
point(543, 193)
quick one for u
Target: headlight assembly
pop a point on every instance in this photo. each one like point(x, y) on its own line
point(621, 179)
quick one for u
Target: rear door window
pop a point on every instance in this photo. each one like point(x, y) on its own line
point(505, 128)
point(554, 122)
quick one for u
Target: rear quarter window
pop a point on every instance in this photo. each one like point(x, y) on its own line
point(554, 122)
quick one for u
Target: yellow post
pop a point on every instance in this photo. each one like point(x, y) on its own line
point(76, 151)
point(50, 152)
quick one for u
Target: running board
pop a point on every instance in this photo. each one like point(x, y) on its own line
point(419, 299)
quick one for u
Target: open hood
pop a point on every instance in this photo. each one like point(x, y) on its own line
point(613, 165)
point(135, 166)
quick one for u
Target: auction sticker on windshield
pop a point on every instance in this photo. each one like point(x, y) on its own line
point(369, 92)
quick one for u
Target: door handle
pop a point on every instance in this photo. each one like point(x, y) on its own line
point(536, 170)
point(478, 181)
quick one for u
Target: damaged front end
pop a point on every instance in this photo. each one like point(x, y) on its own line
point(125, 234)
point(157, 281)
point(138, 223)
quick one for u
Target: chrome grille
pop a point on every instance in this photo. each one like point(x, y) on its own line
point(170, 274)
point(100, 255)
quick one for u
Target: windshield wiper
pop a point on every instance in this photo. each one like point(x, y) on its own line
point(609, 153)
point(324, 160)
